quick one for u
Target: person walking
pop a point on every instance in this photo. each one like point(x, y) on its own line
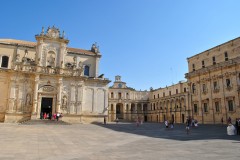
point(104, 120)
point(58, 116)
point(188, 122)
point(166, 124)
point(222, 121)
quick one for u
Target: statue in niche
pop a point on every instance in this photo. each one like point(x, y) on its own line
point(28, 99)
point(51, 61)
point(64, 101)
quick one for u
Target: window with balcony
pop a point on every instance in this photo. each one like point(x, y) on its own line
point(217, 107)
point(205, 107)
point(228, 83)
point(230, 105)
point(204, 88)
point(195, 108)
point(119, 95)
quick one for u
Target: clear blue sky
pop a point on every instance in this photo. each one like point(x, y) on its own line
point(147, 42)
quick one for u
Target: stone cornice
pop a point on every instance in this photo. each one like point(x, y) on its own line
point(211, 68)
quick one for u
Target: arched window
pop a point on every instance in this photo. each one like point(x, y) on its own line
point(5, 61)
point(86, 71)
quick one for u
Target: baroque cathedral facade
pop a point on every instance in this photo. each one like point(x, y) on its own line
point(47, 76)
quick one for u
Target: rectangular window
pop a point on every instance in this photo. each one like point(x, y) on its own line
point(185, 90)
point(214, 60)
point(119, 95)
point(215, 85)
point(153, 96)
point(203, 65)
point(205, 107)
point(204, 89)
point(176, 91)
point(230, 105)
point(169, 93)
point(217, 107)
point(163, 94)
point(228, 82)
point(158, 95)
point(193, 67)
point(226, 56)
point(195, 108)
point(112, 95)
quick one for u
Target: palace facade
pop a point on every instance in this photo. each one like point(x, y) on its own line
point(210, 94)
point(48, 76)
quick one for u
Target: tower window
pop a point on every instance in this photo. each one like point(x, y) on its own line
point(214, 60)
point(203, 64)
point(193, 67)
point(226, 56)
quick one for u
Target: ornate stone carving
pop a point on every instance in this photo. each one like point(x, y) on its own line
point(53, 32)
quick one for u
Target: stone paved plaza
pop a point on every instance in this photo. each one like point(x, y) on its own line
point(150, 141)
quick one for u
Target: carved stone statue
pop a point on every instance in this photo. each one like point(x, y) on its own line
point(64, 101)
point(18, 58)
point(28, 99)
point(51, 61)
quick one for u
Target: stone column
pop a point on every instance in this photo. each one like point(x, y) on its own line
point(34, 110)
point(59, 95)
point(105, 100)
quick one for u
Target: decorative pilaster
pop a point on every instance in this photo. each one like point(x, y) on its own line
point(34, 110)
point(59, 95)
point(12, 97)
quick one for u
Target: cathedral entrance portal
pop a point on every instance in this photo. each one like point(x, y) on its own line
point(46, 106)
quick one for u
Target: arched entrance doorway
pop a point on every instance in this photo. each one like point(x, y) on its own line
point(119, 111)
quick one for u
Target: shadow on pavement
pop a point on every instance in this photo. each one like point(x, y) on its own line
point(158, 130)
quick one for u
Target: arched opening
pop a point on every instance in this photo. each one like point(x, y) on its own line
point(86, 70)
point(5, 61)
point(119, 111)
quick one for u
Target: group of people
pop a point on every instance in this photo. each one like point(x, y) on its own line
point(169, 124)
point(190, 122)
point(51, 116)
point(233, 129)
point(139, 121)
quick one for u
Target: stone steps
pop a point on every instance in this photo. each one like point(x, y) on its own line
point(44, 122)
